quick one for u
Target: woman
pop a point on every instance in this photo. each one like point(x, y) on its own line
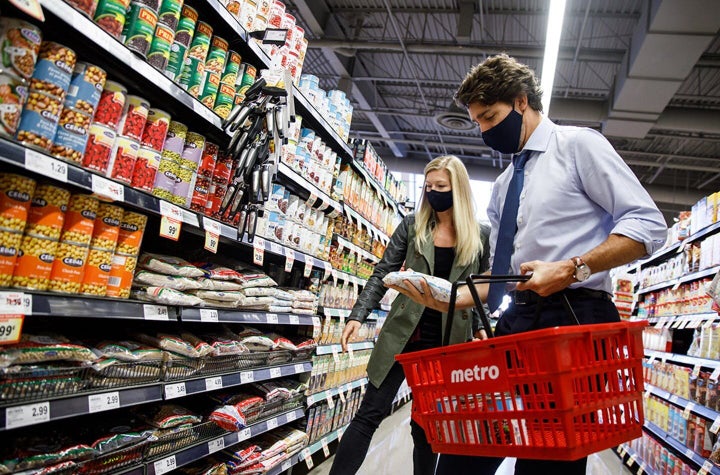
point(442, 239)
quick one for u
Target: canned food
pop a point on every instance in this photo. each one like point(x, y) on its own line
point(122, 271)
point(249, 74)
point(111, 105)
point(172, 156)
point(99, 148)
point(13, 92)
point(72, 135)
point(87, 7)
point(165, 179)
point(263, 7)
point(200, 194)
point(97, 271)
point(34, 262)
point(80, 219)
point(260, 22)
point(86, 86)
point(139, 28)
point(178, 54)
point(21, 44)
point(134, 118)
point(209, 157)
point(54, 69)
point(107, 227)
point(156, 128)
point(175, 140)
point(233, 6)
point(169, 13)
point(185, 31)
point(38, 121)
point(68, 268)
point(232, 66)
point(153, 5)
point(122, 163)
point(47, 211)
point(146, 166)
point(209, 90)
point(224, 100)
point(132, 227)
point(9, 249)
point(298, 36)
point(192, 153)
point(183, 185)
point(217, 55)
point(216, 193)
point(223, 169)
point(110, 16)
point(159, 53)
point(247, 14)
point(193, 76)
point(201, 41)
point(240, 95)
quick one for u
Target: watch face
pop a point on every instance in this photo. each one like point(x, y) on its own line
point(582, 272)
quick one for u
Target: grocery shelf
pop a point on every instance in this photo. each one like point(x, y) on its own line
point(325, 202)
point(212, 383)
point(360, 219)
point(633, 460)
point(681, 280)
point(695, 408)
point(336, 312)
point(356, 249)
point(682, 359)
point(687, 454)
point(360, 167)
point(186, 456)
point(315, 447)
point(673, 248)
point(316, 121)
point(331, 393)
point(190, 314)
point(336, 348)
point(692, 320)
point(22, 415)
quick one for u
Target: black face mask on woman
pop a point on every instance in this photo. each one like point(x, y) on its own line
point(505, 136)
point(440, 200)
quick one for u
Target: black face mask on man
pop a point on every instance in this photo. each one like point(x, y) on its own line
point(440, 200)
point(505, 136)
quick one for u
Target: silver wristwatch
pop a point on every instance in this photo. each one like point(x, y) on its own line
point(582, 270)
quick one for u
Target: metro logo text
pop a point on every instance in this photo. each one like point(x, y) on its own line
point(477, 373)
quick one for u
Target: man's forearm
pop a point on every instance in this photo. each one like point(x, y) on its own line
point(617, 250)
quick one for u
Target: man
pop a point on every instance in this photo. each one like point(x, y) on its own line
point(567, 210)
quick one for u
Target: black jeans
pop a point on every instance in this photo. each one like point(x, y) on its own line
point(375, 407)
point(521, 318)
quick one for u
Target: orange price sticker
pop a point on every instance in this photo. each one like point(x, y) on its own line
point(10, 328)
point(170, 228)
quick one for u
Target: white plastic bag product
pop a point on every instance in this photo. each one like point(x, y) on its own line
point(305, 305)
point(440, 288)
point(260, 292)
point(234, 297)
point(219, 304)
point(144, 277)
point(219, 285)
point(218, 272)
point(303, 295)
point(283, 295)
point(258, 343)
point(168, 265)
point(257, 280)
point(170, 297)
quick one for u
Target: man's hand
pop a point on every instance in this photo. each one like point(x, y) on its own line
point(349, 332)
point(547, 277)
point(423, 296)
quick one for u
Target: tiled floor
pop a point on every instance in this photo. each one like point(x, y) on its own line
point(391, 451)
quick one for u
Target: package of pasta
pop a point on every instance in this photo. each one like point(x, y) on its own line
point(219, 285)
point(228, 418)
point(440, 288)
point(260, 291)
point(245, 330)
point(128, 350)
point(154, 279)
point(257, 280)
point(168, 265)
point(202, 348)
point(42, 455)
point(223, 346)
point(309, 343)
point(270, 390)
point(258, 343)
point(233, 297)
point(44, 348)
point(218, 272)
point(112, 442)
point(167, 296)
point(61, 468)
point(281, 342)
point(167, 416)
point(247, 452)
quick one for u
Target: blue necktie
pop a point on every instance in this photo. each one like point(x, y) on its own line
point(507, 230)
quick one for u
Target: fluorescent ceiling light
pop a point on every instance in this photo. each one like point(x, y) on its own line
point(552, 45)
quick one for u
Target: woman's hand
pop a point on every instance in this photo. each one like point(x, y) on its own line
point(423, 296)
point(349, 332)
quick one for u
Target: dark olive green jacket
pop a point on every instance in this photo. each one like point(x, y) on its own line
point(405, 314)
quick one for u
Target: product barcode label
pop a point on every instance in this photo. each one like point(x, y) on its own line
point(325, 448)
point(103, 402)
point(26, 415)
point(114, 281)
point(165, 465)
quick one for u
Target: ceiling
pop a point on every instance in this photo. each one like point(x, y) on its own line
point(644, 72)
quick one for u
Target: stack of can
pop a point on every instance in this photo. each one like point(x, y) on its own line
point(87, 7)
point(228, 80)
point(201, 191)
point(110, 15)
point(16, 193)
point(214, 69)
point(103, 130)
point(184, 34)
point(164, 37)
point(219, 184)
point(102, 247)
point(193, 70)
point(169, 166)
point(124, 260)
point(49, 84)
point(16, 69)
point(140, 24)
point(244, 81)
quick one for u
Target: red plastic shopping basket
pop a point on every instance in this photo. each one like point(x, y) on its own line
point(560, 393)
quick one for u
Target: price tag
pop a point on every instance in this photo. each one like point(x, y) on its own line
point(341, 245)
point(15, 303)
point(244, 434)
point(309, 262)
point(325, 448)
point(168, 464)
point(342, 395)
point(334, 273)
point(190, 218)
point(258, 251)
point(108, 188)
point(10, 328)
point(26, 415)
point(630, 460)
point(676, 285)
point(216, 445)
point(715, 374)
point(272, 423)
point(311, 201)
point(706, 468)
point(209, 315)
point(171, 211)
point(289, 259)
point(286, 465)
point(715, 426)
point(213, 383)
point(103, 402)
point(709, 323)
point(294, 320)
point(350, 352)
point(272, 318)
point(330, 400)
point(170, 228)
point(686, 413)
point(335, 353)
point(44, 165)
point(328, 270)
point(276, 248)
point(348, 393)
point(696, 370)
point(155, 312)
point(307, 456)
point(176, 390)
point(211, 226)
point(674, 399)
point(340, 433)
point(689, 453)
point(211, 242)
point(642, 469)
point(247, 377)
point(275, 372)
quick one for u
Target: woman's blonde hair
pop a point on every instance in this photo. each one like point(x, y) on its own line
point(468, 244)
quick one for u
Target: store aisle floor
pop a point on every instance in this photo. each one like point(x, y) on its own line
point(391, 449)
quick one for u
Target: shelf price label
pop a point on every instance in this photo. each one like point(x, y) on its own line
point(309, 262)
point(276, 248)
point(340, 433)
point(342, 395)
point(286, 465)
point(311, 201)
point(171, 221)
point(715, 426)
point(29, 414)
point(10, 328)
point(258, 251)
point(706, 468)
point(168, 464)
point(213, 383)
point(209, 315)
point(155, 312)
point(335, 349)
point(173, 391)
point(272, 318)
point(44, 165)
point(211, 242)
point(103, 402)
point(289, 259)
point(330, 400)
point(275, 372)
point(108, 188)
point(325, 448)
point(294, 320)
point(15, 303)
point(247, 377)
point(272, 423)
point(299, 368)
point(307, 456)
point(328, 270)
point(245, 434)
point(715, 374)
point(696, 370)
point(216, 445)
